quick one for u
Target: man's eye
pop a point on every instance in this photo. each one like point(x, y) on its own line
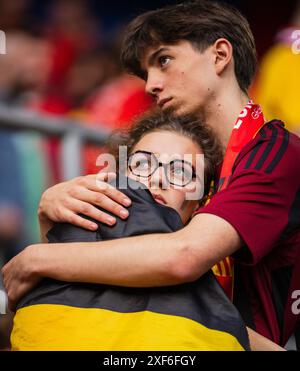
point(163, 61)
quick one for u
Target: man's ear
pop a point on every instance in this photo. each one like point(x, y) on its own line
point(223, 54)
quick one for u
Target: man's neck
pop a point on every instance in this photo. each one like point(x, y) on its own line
point(223, 113)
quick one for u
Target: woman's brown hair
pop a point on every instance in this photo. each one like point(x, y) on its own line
point(188, 126)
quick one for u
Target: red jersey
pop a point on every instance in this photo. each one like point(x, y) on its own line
point(262, 202)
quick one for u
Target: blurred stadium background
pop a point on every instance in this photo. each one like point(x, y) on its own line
point(62, 91)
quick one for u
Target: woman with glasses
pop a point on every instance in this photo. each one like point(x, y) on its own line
point(165, 176)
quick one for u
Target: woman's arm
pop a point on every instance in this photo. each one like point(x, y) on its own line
point(261, 343)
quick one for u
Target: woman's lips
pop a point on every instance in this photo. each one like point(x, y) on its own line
point(159, 199)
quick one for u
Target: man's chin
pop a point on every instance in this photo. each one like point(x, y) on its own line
point(174, 111)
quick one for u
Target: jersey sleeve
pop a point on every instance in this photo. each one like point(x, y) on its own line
point(262, 192)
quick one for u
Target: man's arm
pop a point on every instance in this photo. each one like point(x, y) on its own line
point(145, 261)
point(141, 261)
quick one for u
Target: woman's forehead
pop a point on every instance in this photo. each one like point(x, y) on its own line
point(167, 143)
point(169, 148)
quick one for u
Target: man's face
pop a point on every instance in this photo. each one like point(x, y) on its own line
point(180, 78)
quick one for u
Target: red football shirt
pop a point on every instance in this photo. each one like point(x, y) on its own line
point(262, 202)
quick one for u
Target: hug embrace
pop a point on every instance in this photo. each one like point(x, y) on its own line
point(149, 268)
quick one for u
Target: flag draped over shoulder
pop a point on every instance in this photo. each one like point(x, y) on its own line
point(80, 316)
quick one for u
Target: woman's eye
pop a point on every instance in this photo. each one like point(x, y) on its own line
point(141, 164)
point(163, 61)
point(178, 171)
point(182, 172)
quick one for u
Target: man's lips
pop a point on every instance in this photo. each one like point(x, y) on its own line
point(162, 102)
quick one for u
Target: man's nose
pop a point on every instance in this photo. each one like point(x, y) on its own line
point(154, 85)
point(158, 179)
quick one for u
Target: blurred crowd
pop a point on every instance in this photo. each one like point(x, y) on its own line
point(58, 64)
point(61, 62)
point(277, 85)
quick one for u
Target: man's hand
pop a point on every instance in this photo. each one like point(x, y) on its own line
point(19, 275)
point(64, 201)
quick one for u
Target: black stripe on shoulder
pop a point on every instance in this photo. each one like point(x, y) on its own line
point(256, 149)
point(269, 147)
point(280, 152)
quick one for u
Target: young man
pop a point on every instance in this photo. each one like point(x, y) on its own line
point(196, 57)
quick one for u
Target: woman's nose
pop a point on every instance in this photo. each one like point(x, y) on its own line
point(158, 179)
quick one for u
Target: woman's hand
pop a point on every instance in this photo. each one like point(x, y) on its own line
point(64, 201)
point(20, 275)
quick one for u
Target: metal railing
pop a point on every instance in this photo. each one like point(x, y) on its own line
point(72, 134)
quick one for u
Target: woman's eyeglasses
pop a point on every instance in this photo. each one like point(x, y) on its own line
point(178, 172)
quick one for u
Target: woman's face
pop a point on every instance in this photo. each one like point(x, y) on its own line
point(170, 148)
